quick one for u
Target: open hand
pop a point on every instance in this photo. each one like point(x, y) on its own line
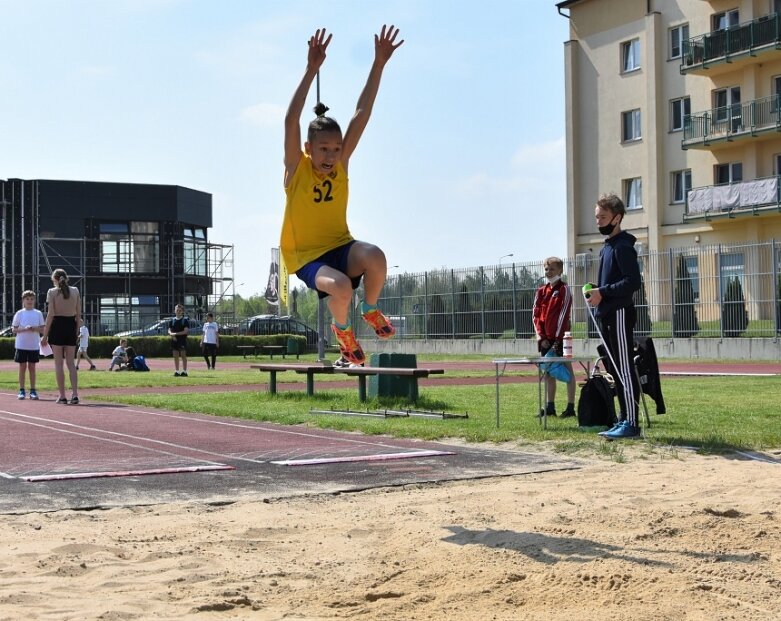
point(385, 43)
point(318, 43)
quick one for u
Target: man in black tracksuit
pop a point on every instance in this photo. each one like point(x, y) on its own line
point(619, 278)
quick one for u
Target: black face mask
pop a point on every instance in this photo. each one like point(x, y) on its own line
point(607, 229)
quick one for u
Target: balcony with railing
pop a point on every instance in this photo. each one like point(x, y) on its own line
point(747, 42)
point(752, 119)
point(733, 199)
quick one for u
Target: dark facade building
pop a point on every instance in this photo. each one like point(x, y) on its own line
point(133, 250)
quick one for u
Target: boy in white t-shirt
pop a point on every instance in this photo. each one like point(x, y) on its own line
point(119, 356)
point(83, 344)
point(27, 325)
point(210, 341)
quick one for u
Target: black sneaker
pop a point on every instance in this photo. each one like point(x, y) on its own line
point(177, 374)
point(183, 374)
point(568, 413)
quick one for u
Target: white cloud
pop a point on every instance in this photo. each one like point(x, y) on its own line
point(264, 115)
point(533, 167)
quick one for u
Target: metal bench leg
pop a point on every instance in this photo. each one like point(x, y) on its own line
point(272, 382)
point(362, 388)
point(310, 383)
point(412, 390)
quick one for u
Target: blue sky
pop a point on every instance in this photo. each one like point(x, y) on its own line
point(463, 160)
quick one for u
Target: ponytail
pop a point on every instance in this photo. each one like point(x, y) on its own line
point(61, 278)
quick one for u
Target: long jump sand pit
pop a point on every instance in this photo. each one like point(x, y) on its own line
point(659, 537)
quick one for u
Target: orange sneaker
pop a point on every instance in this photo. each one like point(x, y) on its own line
point(382, 327)
point(349, 346)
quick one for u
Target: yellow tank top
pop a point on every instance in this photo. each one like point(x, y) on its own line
point(315, 215)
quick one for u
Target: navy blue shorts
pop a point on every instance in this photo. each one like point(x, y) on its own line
point(27, 355)
point(336, 259)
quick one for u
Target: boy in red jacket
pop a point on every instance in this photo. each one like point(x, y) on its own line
point(552, 306)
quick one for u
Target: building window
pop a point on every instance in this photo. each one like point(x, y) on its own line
point(630, 55)
point(679, 110)
point(777, 164)
point(633, 193)
point(682, 183)
point(728, 173)
point(693, 272)
point(630, 122)
point(195, 251)
point(678, 35)
point(129, 247)
point(727, 19)
point(120, 313)
point(731, 266)
point(728, 110)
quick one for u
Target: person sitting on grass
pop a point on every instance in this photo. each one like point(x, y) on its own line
point(119, 356)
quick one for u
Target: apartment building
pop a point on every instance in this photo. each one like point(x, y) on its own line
point(676, 106)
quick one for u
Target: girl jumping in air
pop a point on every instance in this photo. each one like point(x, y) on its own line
point(316, 242)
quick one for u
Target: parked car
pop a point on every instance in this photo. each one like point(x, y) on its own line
point(273, 324)
point(160, 328)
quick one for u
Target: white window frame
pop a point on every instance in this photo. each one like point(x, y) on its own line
point(732, 169)
point(681, 183)
point(633, 193)
point(630, 56)
point(631, 120)
point(678, 34)
point(678, 117)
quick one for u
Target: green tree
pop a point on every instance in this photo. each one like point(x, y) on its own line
point(734, 316)
point(685, 324)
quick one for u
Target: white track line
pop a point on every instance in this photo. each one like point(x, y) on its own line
point(380, 457)
point(32, 420)
point(259, 426)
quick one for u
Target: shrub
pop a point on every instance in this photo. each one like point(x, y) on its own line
point(734, 316)
point(685, 324)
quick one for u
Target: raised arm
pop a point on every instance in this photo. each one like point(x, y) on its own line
point(384, 46)
point(318, 44)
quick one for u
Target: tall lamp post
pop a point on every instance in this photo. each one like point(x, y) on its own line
point(505, 256)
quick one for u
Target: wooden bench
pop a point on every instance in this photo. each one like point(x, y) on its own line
point(262, 349)
point(360, 372)
point(309, 369)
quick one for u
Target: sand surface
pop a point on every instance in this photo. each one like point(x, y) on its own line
point(662, 536)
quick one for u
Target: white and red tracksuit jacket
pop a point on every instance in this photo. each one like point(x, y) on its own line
point(552, 306)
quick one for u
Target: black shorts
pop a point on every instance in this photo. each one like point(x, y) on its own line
point(64, 331)
point(210, 349)
point(27, 355)
point(179, 343)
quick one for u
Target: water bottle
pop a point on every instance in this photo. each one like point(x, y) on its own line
point(567, 344)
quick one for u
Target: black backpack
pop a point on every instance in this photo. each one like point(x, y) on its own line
point(596, 407)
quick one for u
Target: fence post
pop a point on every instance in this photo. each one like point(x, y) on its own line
point(515, 307)
point(452, 304)
point(672, 292)
point(482, 301)
point(776, 298)
point(721, 291)
point(425, 305)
